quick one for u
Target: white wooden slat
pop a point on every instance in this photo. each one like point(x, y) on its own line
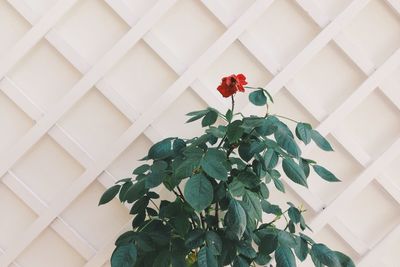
point(34, 35)
point(88, 175)
point(96, 165)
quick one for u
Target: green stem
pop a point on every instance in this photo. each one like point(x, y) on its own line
point(283, 117)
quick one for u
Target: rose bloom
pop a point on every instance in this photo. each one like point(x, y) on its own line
point(231, 84)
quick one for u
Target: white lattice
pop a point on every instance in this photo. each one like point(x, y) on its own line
point(87, 86)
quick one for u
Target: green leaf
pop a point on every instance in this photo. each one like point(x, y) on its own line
point(198, 192)
point(240, 262)
point(136, 191)
point(236, 188)
point(270, 208)
point(303, 132)
point(185, 169)
point(235, 220)
point(269, 243)
point(214, 242)
point(206, 258)
point(320, 141)
point(286, 239)
point(269, 95)
point(249, 179)
point(344, 260)
point(294, 214)
point(325, 174)
point(284, 257)
point(124, 256)
point(258, 98)
point(163, 259)
point(234, 131)
point(252, 204)
point(324, 255)
point(109, 194)
point(213, 164)
point(301, 249)
point(157, 175)
point(141, 169)
point(286, 141)
point(196, 115)
point(271, 158)
point(247, 250)
point(229, 115)
point(294, 172)
point(210, 118)
point(247, 150)
point(195, 239)
point(165, 148)
point(268, 126)
point(278, 184)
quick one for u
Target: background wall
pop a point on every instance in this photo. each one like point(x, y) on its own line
point(87, 86)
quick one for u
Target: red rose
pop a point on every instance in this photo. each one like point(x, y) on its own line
point(231, 84)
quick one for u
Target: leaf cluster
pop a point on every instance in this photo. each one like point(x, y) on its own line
point(221, 182)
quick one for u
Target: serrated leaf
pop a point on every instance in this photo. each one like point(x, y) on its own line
point(109, 194)
point(320, 141)
point(284, 257)
point(271, 158)
point(303, 132)
point(213, 164)
point(294, 214)
point(235, 220)
point(325, 174)
point(278, 184)
point(124, 256)
point(294, 171)
point(286, 141)
point(258, 98)
point(344, 260)
point(195, 239)
point(252, 204)
point(301, 249)
point(325, 255)
point(206, 258)
point(214, 242)
point(198, 192)
point(234, 131)
point(210, 118)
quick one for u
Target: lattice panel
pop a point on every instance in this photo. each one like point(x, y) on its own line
point(87, 86)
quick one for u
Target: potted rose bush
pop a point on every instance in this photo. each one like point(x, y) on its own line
point(221, 214)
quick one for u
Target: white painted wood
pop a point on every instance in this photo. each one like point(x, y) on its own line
point(238, 19)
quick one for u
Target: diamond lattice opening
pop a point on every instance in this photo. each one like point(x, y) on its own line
point(200, 31)
point(341, 163)
point(13, 122)
point(101, 29)
point(330, 77)
point(374, 124)
point(47, 179)
point(89, 118)
point(376, 29)
point(45, 85)
point(12, 27)
point(138, 84)
point(16, 221)
point(372, 223)
point(289, 30)
point(99, 226)
point(40, 254)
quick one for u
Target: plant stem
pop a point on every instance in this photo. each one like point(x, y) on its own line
point(155, 205)
point(232, 108)
point(216, 213)
point(283, 117)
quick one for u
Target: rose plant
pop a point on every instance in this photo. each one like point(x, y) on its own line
point(221, 214)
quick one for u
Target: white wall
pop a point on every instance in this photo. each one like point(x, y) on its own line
point(87, 86)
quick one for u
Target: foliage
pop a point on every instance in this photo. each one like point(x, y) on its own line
point(221, 181)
